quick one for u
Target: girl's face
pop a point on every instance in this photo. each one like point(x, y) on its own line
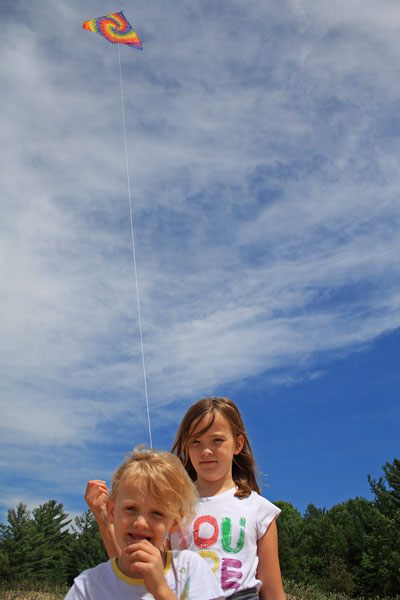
point(137, 516)
point(211, 453)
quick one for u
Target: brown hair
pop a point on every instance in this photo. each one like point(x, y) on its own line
point(161, 475)
point(244, 468)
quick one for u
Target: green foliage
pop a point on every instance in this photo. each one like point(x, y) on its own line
point(35, 548)
point(381, 558)
point(387, 500)
point(290, 531)
point(86, 547)
point(4, 565)
point(49, 555)
point(18, 541)
point(353, 548)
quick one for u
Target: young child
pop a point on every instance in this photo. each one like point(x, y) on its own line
point(151, 496)
point(234, 528)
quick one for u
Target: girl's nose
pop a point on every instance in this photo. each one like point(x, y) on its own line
point(205, 451)
point(140, 522)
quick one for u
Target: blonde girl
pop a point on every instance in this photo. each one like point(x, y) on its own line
point(151, 496)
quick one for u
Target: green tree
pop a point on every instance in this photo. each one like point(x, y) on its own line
point(381, 559)
point(18, 540)
point(290, 529)
point(315, 549)
point(87, 548)
point(4, 565)
point(387, 499)
point(48, 557)
point(353, 522)
point(34, 548)
point(323, 552)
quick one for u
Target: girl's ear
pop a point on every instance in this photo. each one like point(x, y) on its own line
point(239, 444)
point(175, 525)
point(110, 507)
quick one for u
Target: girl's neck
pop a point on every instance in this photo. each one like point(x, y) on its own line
point(206, 489)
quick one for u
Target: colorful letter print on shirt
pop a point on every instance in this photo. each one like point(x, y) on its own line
point(115, 28)
point(225, 532)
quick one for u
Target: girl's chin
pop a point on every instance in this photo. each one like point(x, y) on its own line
point(124, 568)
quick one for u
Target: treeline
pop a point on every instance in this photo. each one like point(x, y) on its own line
point(43, 546)
point(353, 548)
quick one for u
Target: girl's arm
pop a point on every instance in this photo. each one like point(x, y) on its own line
point(96, 498)
point(269, 571)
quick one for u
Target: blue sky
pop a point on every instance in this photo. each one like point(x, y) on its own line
point(263, 143)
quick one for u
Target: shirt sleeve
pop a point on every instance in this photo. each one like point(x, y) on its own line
point(74, 594)
point(266, 513)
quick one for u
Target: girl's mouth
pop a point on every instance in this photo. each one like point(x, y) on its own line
point(137, 538)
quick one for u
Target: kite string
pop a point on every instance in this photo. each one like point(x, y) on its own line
point(133, 246)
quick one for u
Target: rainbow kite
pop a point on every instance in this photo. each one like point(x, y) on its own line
point(115, 28)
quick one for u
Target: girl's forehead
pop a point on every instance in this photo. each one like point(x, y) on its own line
point(133, 482)
point(139, 485)
point(213, 422)
point(137, 481)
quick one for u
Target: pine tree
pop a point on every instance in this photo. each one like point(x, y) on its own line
point(49, 556)
point(87, 548)
point(387, 500)
point(18, 540)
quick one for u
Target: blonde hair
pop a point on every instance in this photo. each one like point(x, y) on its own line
point(244, 468)
point(161, 475)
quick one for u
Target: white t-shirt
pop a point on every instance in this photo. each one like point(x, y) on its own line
point(225, 532)
point(187, 575)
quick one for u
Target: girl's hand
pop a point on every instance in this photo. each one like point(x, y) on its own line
point(146, 559)
point(96, 497)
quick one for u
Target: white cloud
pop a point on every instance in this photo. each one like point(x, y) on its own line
point(265, 185)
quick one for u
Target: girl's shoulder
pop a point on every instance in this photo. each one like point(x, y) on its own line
point(256, 507)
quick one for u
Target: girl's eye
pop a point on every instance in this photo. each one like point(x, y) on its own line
point(158, 514)
point(194, 442)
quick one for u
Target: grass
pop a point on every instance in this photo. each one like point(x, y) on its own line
point(298, 591)
point(31, 592)
point(294, 591)
point(29, 595)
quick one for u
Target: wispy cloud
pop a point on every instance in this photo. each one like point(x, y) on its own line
point(263, 153)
